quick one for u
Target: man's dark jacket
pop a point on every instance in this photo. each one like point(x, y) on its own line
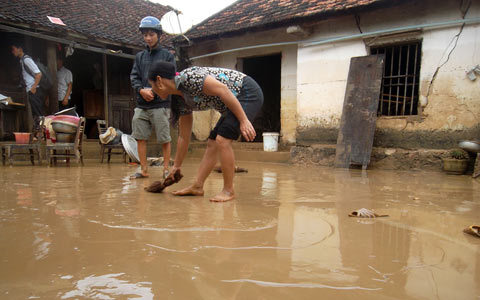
point(139, 75)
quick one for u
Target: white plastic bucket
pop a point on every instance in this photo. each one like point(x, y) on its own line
point(270, 141)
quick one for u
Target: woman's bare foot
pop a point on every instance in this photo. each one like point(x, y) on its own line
point(189, 191)
point(224, 196)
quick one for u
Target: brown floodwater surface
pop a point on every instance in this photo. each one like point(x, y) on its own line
point(92, 233)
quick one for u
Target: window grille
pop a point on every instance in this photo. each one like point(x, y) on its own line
point(400, 82)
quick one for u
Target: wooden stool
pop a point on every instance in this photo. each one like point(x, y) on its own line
point(10, 150)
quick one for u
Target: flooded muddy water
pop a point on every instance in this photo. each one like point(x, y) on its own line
point(91, 233)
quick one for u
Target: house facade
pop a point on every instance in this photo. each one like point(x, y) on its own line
point(429, 96)
point(99, 40)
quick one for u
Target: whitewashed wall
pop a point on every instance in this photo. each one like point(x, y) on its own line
point(453, 102)
point(322, 73)
point(313, 79)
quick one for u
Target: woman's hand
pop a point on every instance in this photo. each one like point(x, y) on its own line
point(247, 130)
point(172, 171)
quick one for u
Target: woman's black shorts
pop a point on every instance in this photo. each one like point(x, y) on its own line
point(251, 100)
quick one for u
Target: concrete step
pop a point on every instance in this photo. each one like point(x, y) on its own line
point(246, 152)
point(243, 151)
point(250, 155)
point(240, 145)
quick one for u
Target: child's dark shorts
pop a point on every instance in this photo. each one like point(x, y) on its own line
point(251, 100)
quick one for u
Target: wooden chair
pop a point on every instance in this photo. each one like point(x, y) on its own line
point(69, 150)
point(102, 128)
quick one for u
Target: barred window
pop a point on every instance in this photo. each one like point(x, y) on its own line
point(400, 82)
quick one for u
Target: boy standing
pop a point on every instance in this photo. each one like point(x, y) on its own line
point(151, 111)
point(65, 81)
point(31, 77)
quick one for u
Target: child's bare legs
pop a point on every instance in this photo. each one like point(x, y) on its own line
point(142, 154)
point(206, 166)
point(227, 161)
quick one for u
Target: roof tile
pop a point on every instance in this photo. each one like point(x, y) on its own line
point(114, 20)
point(254, 14)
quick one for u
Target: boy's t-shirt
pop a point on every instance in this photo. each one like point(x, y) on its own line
point(64, 77)
point(29, 79)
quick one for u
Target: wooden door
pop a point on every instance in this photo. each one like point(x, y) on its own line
point(121, 112)
point(358, 123)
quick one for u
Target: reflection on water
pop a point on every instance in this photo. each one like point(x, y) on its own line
point(269, 183)
point(301, 285)
point(270, 224)
point(91, 233)
point(41, 241)
point(109, 287)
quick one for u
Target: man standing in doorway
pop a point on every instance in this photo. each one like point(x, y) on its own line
point(31, 77)
point(151, 111)
point(65, 81)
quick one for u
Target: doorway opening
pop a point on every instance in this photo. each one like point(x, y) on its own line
point(265, 70)
point(88, 90)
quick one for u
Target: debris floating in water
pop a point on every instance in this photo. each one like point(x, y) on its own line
point(365, 213)
point(473, 230)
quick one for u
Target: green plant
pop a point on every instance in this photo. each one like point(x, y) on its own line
point(458, 154)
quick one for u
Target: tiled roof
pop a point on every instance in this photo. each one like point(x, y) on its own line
point(114, 20)
point(255, 14)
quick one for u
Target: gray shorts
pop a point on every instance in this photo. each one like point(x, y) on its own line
point(144, 119)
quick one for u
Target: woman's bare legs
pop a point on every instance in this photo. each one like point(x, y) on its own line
point(206, 166)
point(222, 146)
point(227, 161)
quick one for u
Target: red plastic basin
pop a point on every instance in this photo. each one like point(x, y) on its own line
point(22, 137)
point(67, 119)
